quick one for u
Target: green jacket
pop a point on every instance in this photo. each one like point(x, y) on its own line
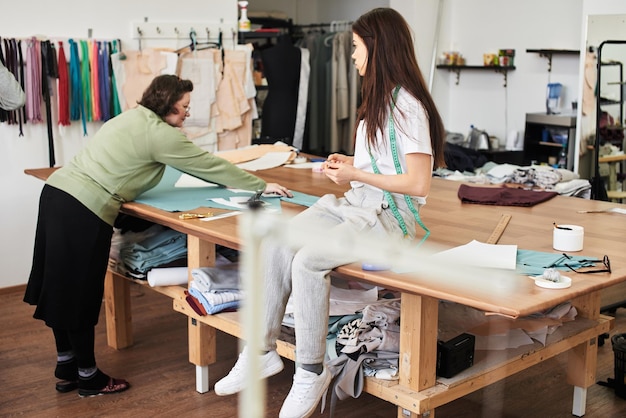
point(128, 155)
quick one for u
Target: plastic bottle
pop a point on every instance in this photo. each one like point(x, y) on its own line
point(468, 140)
point(562, 162)
point(244, 22)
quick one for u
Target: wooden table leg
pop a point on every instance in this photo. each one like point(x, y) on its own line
point(582, 359)
point(202, 352)
point(418, 344)
point(202, 344)
point(118, 315)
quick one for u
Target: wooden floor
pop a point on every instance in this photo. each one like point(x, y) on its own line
point(163, 381)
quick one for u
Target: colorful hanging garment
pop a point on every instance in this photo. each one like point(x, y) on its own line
point(86, 79)
point(3, 113)
point(9, 65)
point(95, 88)
point(19, 74)
point(48, 72)
point(77, 104)
point(103, 81)
point(8, 61)
point(116, 109)
point(33, 85)
point(12, 59)
point(63, 90)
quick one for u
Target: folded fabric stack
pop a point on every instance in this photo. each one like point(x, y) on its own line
point(157, 246)
point(216, 288)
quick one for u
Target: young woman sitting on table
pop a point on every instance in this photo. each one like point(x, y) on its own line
point(399, 140)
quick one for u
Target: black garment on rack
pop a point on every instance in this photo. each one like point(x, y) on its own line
point(20, 113)
point(281, 65)
point(48, 69)
point(8, 61)
point(12, 60)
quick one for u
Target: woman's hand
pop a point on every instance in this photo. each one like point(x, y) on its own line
point(340, 171)
point(276, 188)
point(340, 158)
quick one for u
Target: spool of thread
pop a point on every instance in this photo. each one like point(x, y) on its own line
point(568, 238)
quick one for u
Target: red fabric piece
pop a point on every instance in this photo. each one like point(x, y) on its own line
point(63, 88)
point(195, 304)
point(502, 196)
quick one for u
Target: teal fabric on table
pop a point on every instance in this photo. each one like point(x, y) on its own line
point(535, 262)
point(166, 196)
point(301, 199)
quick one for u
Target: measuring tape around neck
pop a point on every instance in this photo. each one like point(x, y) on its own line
point(398, 167)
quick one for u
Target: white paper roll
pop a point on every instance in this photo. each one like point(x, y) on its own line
point(167, 276)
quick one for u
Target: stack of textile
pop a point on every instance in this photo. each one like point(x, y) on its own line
point(136, 253)
point(215, 289)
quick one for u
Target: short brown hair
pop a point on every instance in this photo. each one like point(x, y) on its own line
point(163, 92)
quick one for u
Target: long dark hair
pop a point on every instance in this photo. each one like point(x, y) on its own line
point(163, 93)
point(391, 61)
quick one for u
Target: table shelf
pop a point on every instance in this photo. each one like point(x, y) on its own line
point(489, 366)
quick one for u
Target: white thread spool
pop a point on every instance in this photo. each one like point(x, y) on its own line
point(568, 238)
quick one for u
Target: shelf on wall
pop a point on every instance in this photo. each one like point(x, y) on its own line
point(260, 34)
point(548, 53)
point(550, 144)
point(457, 70)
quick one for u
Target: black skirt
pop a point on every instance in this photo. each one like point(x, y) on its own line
point(69, 262)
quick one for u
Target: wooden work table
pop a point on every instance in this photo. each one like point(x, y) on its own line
point(419, 391)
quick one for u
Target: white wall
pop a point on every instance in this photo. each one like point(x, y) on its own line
point(69, 19)
point(470, 26)
point(479, 26)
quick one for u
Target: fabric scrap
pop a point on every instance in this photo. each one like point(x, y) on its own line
point(503, 196)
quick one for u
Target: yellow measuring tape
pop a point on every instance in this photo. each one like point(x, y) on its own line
point(499, 229)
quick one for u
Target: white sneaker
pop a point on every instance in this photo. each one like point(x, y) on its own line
point(235, 381)
point(307, 390)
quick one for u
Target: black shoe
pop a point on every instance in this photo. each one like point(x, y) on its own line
point(114, 386)
point(101, 384)
point(68, 373)
point(65, 386)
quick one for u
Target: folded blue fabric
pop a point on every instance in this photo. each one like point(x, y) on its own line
point(162, 246)
point(214, 308)
point(216, 279)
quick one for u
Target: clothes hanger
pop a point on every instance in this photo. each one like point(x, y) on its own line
point(194, 45)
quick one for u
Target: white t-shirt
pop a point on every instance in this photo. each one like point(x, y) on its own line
point(412, 133)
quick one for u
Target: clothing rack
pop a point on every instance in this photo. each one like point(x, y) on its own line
point(332, 27)
point(195, 32)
